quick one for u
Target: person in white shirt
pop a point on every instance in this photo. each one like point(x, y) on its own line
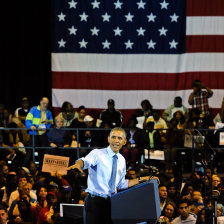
point(15, 194)
point(176, 106)
point(185, 215)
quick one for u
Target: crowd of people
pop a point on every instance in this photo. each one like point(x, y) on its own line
point(31, 196)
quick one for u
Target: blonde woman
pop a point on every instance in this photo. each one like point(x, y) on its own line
point(56, 135)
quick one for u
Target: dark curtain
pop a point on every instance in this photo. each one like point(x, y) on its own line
point(25, 44)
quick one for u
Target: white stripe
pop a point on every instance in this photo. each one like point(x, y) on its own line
point(126, 99)
point(111, 63)
point(205, 25)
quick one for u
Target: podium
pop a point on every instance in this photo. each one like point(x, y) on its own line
point(138, 204)
point(135, 205)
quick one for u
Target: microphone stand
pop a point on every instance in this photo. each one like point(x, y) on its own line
point(152, 171)
point(205, 165)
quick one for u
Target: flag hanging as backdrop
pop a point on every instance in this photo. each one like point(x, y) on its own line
point(131, 50)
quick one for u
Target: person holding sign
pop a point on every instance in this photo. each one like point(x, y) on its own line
point(107, 170)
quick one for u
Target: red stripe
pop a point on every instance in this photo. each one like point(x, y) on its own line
point(205, 8)
point(134, 81)
point(205, 43)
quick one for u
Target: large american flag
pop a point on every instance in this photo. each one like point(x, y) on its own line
point(131, 50)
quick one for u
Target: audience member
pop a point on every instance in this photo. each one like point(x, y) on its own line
point(220, 116)
point(111, 116)
point(79, 123)
point(41, 202)
point(34, 172)
point(176, 106)
point(185, 215)
point(169, 212)
point(68, 113)
point(162, 196)
point(196, 202)
point(4, 169)
point(193, 121)
point(172, 193)
point(22, 111)
point(176, 132)
point(199, 98)
point(91, 136)
point(25, 134)
point(6, 117)
point(56, 137)
point(135, 143)
point(220, 210)
point(54, 213)
point(20, 209)
point(152, 141)
point(14, 138)
point(42, 218)
point(22, 181)
point(38, 120)
point(160, 123)
point(132, 174)
point(4, 214)
point(147, 109)
point(216, 181)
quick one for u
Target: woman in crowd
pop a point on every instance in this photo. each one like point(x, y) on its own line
point(42, 201)
point(169, 212)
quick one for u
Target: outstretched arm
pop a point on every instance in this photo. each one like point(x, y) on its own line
point(78, 165)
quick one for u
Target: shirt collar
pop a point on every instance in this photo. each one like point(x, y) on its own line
point(111, 152)
point(38, 108)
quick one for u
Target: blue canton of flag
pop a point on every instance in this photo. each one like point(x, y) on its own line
point(120, 27)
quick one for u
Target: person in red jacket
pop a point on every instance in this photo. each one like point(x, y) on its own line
point(42, 218)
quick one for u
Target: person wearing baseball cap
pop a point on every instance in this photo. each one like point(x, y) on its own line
point(90, 135)
point(22, 111)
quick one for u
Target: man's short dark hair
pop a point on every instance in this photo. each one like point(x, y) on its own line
point(162, 185)
point(196, 83)
point(182, 201)
point(110, 102)
point(21, 176)
point(81, 108)
point(133, 169)
point(178, 99)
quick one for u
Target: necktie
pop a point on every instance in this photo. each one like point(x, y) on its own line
point(113, 175)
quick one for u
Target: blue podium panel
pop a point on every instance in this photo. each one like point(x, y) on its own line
point(137, 204)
